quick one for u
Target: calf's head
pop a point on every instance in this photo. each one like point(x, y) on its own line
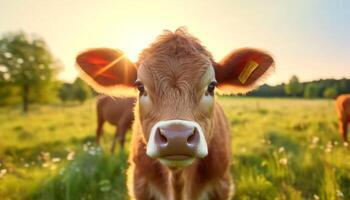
point(176, 78)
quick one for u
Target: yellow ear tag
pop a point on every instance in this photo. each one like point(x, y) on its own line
point(247, 71)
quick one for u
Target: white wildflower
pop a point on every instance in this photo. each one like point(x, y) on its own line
point(56, 159)
point(71, 155)
point(281, 150)
point(283, 161)
point(340, 193)
point(315, 140)
point(3, 172)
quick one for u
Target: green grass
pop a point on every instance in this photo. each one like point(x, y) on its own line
point(93, 175)
point(282, 149)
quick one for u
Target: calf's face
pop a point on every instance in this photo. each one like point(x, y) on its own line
point(176, 78)
point(176, 101)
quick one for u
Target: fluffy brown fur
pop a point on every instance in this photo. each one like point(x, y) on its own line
point(175, 71)
point(207, 178)
point(172, 69)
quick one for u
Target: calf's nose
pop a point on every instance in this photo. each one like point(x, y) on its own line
point(177, 141)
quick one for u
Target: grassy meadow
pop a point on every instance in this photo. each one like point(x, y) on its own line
point(282, 149)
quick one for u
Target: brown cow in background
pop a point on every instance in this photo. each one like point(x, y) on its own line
point(343, 109)
point(117, 111)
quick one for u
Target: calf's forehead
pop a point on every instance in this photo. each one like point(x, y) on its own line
point(191, 70)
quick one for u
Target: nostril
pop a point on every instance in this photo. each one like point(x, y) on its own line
point(163, 139)
point(160, 138)
point(193, 139)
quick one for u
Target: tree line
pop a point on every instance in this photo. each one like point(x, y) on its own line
point(324, 88)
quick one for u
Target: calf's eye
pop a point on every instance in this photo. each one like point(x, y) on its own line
point(140, 87)
point(211, 87)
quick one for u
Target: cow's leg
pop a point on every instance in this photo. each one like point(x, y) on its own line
point(122, 139)
point(345, 133)
point(223, 189)
point(123, 126)
point(124, 129)
point(119, 133)
point(116, 134)
point(343, 129)
point(99, 130)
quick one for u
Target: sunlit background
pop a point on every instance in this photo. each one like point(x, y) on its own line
point(309, 39)
point(288, 140)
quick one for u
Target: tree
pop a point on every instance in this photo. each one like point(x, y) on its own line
point(65, 92)
point(269, 91)
point(330, 92)
point(294, 88)
point(27, 63)
point(8, 94)
point(344, 86)
point(81, 91)
point(312, 90)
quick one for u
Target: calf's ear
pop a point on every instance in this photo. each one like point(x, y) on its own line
point(242, 70)
point(107, 70)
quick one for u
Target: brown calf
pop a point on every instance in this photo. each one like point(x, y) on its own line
point(118, 112)
point(181, 137)
point(343, 109)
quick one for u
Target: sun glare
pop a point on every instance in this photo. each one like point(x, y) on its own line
point(132, 55)
point(69, 74)
point(133, 50)
point(136, 43)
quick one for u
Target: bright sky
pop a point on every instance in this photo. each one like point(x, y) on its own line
point(308, 38)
